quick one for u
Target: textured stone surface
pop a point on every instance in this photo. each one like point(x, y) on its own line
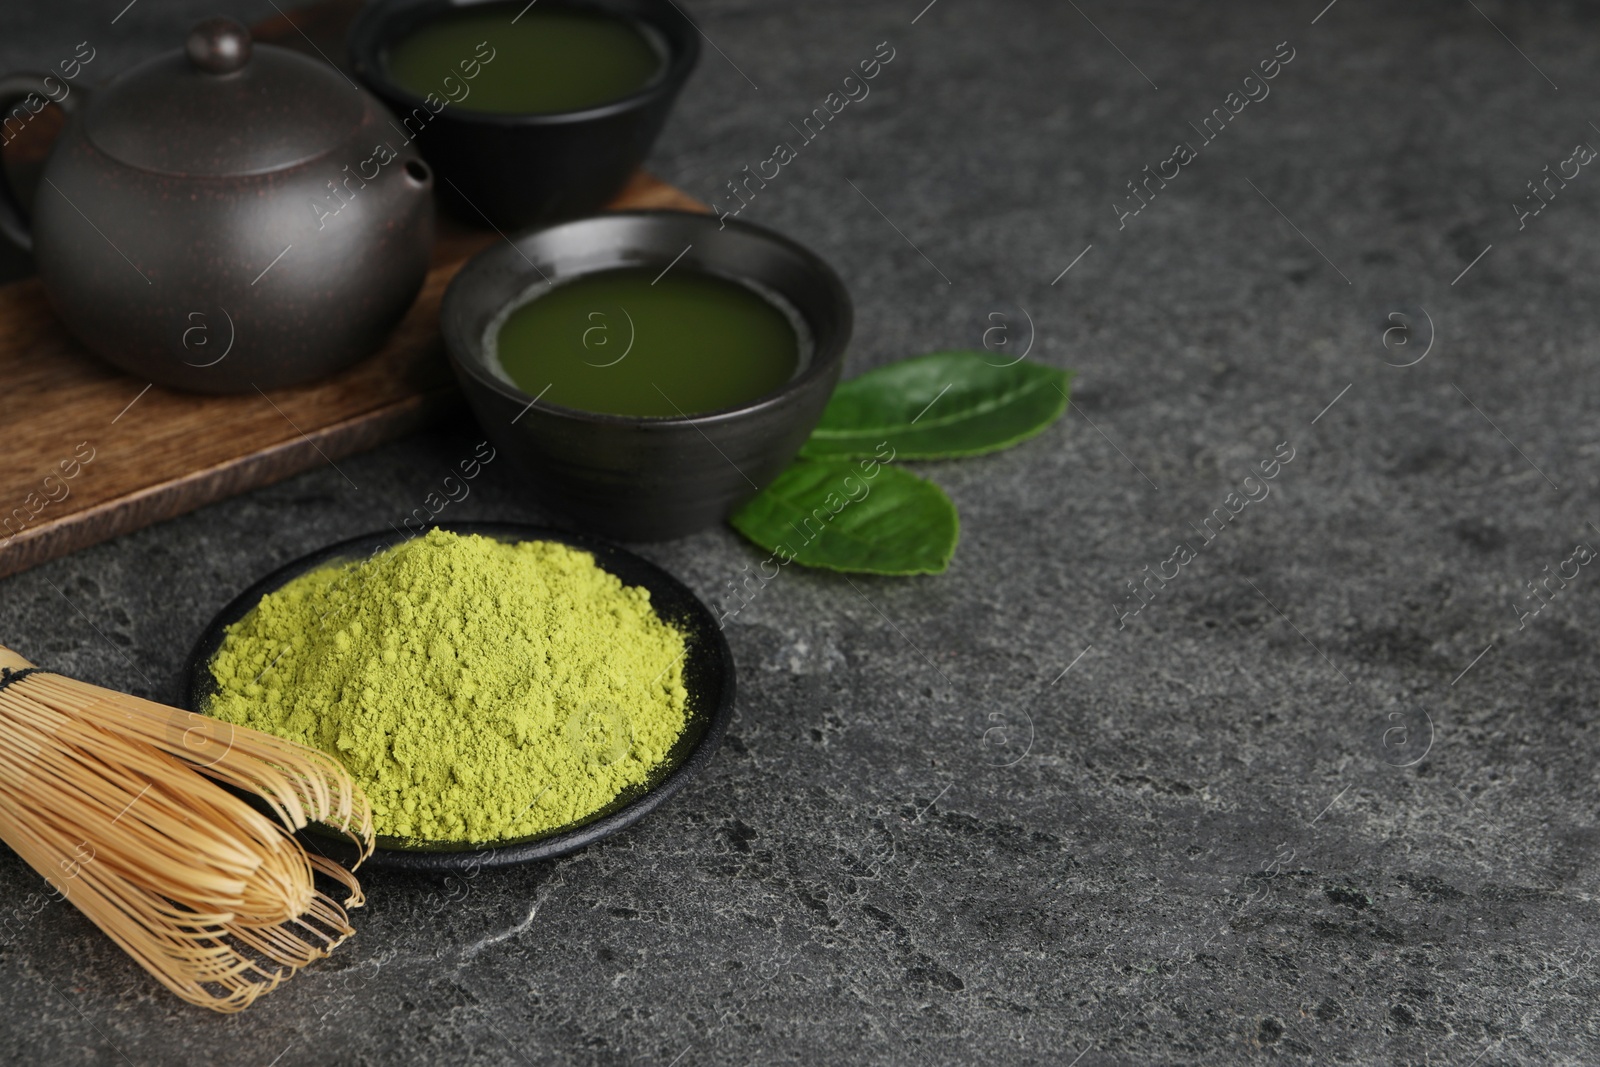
point(1271, 817)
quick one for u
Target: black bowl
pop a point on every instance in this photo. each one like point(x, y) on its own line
point(635, 478)
point(515, 170)
point(708, 675)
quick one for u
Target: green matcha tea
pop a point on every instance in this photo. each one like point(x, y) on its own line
point(544, 59)
point(636, 341)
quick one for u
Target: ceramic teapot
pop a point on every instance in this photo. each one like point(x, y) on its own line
point(227, 217)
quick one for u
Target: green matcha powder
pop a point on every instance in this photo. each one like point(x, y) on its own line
point(477, 690)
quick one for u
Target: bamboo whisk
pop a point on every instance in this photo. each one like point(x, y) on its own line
point(115, 801)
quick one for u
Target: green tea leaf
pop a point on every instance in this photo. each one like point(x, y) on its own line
point(939, 406)
point(853, 516)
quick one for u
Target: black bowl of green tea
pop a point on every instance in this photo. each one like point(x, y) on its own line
point(649, 371)
point(529, 112)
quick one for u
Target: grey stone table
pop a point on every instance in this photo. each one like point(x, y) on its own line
point(1329, 796)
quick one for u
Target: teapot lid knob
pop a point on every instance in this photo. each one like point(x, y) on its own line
point(219, 45)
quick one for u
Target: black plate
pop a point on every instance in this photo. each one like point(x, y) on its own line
point(708, 676)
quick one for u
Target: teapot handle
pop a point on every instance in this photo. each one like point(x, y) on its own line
point(17, 91)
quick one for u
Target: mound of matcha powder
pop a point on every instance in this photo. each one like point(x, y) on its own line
point(477, 690)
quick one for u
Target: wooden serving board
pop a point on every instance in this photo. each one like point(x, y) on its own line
point(154, 453)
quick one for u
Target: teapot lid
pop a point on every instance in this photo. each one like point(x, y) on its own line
point(224, 107)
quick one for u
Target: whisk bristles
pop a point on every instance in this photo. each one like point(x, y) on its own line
point(119, 803)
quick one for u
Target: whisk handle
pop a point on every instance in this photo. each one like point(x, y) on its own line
point(10, 659)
